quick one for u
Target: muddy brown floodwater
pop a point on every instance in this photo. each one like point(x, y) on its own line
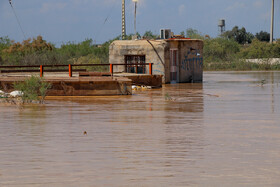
point(224, 132)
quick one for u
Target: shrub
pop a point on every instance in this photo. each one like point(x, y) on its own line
point(220, 49)
point(258, 49)
point(32, 88)
point(91, 59)
point(29, 46)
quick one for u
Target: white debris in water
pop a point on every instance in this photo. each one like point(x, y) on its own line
point(16, 94)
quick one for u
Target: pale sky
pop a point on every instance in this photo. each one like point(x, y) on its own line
point(75, 20)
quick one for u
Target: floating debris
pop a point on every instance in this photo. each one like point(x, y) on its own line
point(169, 98)
point(16, 94)
point(212, 95)
point(263, 82)
point(134, 87)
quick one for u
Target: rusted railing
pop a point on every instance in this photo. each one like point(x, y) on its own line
point(70, 68)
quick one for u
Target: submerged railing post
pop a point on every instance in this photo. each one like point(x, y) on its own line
point(111, 69)
point(151, 68)
point(70, 70)
point(41, 71)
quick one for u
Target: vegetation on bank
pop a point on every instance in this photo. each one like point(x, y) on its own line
point(226, 52)
point(33, 89)
point(232, 50)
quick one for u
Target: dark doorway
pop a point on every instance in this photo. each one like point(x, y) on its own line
point(174, 65)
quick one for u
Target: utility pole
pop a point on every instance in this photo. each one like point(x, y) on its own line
point(135, 1)
point(272, 22)
point(123, 20)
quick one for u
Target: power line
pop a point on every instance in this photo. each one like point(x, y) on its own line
point(10, 1)
point(105, 21)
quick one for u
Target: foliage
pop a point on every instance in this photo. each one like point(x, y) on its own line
point(182, 33)
point(130, 36)
point(263, 36)
point(29, 46)
point(90, 59)
point(32, 88)
point(5, 42)
point(71, 49)
point(239, 35)
point(260, 49)
point(227, 51)
point(220, 49)
point(193, 34)
point(239, 65)
point(39, 52)
point(149, 35)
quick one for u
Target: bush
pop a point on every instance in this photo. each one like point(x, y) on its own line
point(39, 52)
point(220, 49)
point(32, 88)
point(259, 49)
point(193, 34)
point(90, 59)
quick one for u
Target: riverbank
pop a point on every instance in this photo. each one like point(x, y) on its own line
point(11, 101)
point(243, 65)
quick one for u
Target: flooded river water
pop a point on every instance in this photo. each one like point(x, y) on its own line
point(224, 132)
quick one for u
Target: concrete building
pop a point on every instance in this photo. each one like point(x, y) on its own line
point(179, 60)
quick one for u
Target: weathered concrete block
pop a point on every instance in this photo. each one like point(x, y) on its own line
point(177, 60)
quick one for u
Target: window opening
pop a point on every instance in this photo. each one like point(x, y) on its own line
point(131, 60)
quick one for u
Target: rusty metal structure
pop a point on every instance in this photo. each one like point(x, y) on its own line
point(69, 68)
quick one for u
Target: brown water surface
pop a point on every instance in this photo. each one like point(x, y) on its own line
point(224, 132)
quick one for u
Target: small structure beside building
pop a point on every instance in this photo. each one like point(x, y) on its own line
point(179, 60)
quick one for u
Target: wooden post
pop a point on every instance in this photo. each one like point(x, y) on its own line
point(151, 68)
point(111, 69)
point(41, 71)
point(70, 70)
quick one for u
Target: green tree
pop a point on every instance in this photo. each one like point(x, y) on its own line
point(239, 35)
point(263, 36)
point(193, 34)
point(259, 49)
point(150, 35)
point(182, 33)
point(220, 49)
point(5, 43)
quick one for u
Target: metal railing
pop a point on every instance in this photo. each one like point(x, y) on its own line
point(42, 68)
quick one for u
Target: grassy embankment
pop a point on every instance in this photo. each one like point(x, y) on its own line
point(219, 53)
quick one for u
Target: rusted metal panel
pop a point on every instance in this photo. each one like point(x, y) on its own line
point(78, 86)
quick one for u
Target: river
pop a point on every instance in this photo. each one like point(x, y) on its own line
point(224, 132)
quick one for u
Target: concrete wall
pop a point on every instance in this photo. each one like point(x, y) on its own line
point(190, 56)
point(270, 61)
point(153, 50)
